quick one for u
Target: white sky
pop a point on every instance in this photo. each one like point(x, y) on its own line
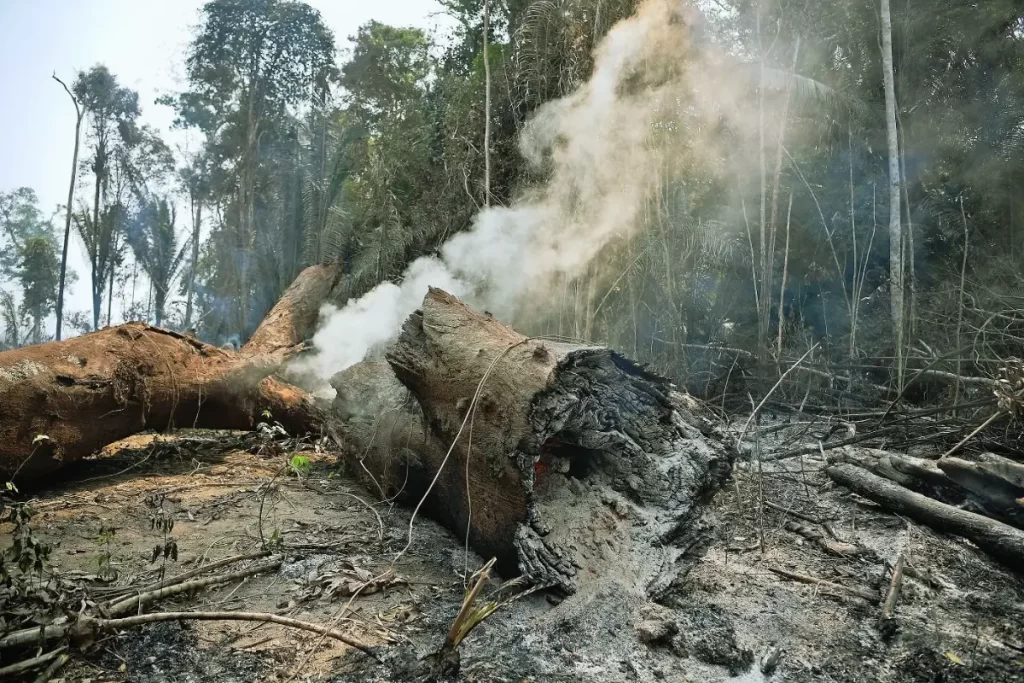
point(143, 43)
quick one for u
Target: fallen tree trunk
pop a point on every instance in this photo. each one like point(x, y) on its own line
point(63, 401)
point(1000, 540)
point(991, 487)
point(561, 461)
point(556, 459)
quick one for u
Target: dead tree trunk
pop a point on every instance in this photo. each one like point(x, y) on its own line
point(560, 460)
point(63, 401)
point(1000, 540)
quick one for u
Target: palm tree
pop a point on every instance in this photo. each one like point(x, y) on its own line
point(154, 242)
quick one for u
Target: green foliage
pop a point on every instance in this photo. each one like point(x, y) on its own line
point(28, 258)
point(299, 465)
point(377, 160)
point(38, 275)
point(20, 219)
point(27, 552)
point(250, 65)
point(105, 568)
point(387, 71)
point(162, 521)
point(153, 238)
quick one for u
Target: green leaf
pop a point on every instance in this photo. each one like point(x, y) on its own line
point(300, 464)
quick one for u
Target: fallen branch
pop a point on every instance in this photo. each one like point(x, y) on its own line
point(54, 667)
point(793, 513)
point(197, 571)
point(143, 619)
point(807, 450)
point(862, 593)
point(832, 547)
point(137, 601)
point(995, 416)
point(29, 664)
point(889, 606)
point(999, 540)
point(27, 636)
point(753, 415)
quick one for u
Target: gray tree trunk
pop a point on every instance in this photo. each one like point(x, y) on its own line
point(67, 215)
point(895, 223)
point(487, 108)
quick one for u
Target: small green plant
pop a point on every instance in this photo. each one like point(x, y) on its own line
point(299, 465)
point(162, 521)
point(276, 541)
point(27, 552)
point(106, 570)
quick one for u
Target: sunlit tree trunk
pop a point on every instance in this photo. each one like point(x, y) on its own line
point(895, 223)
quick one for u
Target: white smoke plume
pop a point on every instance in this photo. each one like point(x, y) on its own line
point(602, 150)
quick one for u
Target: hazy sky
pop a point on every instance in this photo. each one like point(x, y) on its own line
point(143, 43)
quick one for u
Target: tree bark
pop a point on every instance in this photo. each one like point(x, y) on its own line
point(197, 215)
point(487, 107)
point(569, 464)
point(558, 460)
point(999, 540)
point(67, 214)
point(895, 223)
point(65, 400)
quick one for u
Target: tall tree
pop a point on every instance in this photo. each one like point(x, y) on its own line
point(153, 238)
point(20, 219)
point(111, 111)
point(194, 178)
point(487, 106)
point(69, 207)
point(28, 257)
point(895, 193)
point(250, 61)
point(38, 275)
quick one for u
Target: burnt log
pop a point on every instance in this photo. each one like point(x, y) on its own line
point(994, 486)
point(1001, 541)
point(564, 462)
point(63, 401)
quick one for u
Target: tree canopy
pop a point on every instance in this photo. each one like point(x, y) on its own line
point(766, 226)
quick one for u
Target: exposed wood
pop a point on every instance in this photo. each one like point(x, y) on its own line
point(893, 594)
point(999, 540)
point(862, 593)
point(65, 400)
point(831, 546)
point(914, 473)
point(560, 440)
point(293, 318)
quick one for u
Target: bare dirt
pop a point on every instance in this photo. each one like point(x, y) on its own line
point(960, 616)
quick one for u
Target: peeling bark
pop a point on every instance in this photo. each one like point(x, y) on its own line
point(63, 401)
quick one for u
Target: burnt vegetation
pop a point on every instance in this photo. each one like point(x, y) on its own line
point(769, 426)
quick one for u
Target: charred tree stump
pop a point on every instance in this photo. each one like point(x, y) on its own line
point(63, 401)
point(564, 462)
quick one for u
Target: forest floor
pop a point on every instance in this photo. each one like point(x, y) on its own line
point(960, 616)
